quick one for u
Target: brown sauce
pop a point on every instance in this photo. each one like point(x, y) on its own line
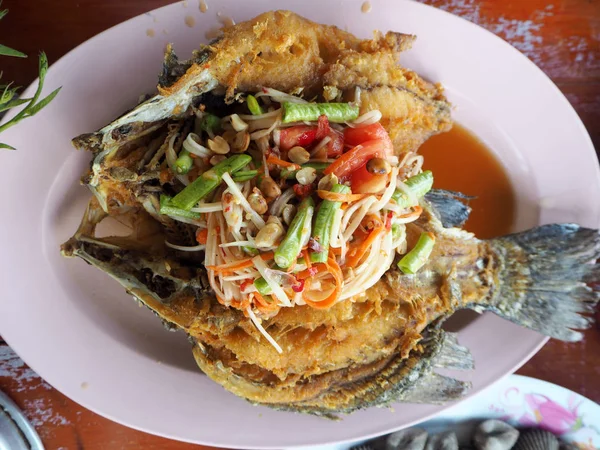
point(461, 162)
point(190, 21)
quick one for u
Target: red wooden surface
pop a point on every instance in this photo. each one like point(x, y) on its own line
point(561, 36)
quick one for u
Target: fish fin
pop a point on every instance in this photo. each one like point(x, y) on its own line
point(544, 277)
point(451, 211)
point(173, 68)
point(408, 380)
point(432, 387)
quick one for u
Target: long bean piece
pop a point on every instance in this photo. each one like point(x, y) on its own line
point(419, 185)
point(253, 105)
point(262, 286)
point(324, 224)
point(418, 256)
point(208, 181)
point(290, 246)
point(167, 208)
point(335, 112)
point(184, 162)
point(244, 175)
point(210, 123)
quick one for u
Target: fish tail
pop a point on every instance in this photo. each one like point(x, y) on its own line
point(547, 278)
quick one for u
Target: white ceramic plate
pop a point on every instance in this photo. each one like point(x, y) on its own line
point(524, 403)
point(75, 325)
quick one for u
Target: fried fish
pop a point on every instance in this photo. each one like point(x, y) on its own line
point(381, 345)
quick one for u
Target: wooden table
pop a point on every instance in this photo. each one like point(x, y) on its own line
point(560, 36)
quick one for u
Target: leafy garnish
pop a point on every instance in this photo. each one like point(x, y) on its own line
point(8, 93)
point(7, 51)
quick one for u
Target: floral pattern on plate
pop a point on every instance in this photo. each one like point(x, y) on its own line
point(560, 414)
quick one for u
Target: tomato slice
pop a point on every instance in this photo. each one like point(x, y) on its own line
point(355, 158)
point(356, 136)
point(364, 182)
point(335, 147)
point(302, 135)
point(322, 127)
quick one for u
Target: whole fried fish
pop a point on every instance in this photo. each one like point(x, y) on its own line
point(378, 347)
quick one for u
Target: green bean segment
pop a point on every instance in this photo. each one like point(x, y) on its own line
point(290, 246)
point(210, 123)
point(418, 256)
point(419, 185)
point(244, 175)
point(209, 181)
point(324, 224)
point(168, 209)
point(184, 162)
point(253, 105)
point(335, 112)
point(262, 286)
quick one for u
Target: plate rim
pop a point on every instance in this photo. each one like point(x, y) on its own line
point(535, 348)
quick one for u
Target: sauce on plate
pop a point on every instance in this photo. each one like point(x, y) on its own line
point(461, 162)
point(190, 21)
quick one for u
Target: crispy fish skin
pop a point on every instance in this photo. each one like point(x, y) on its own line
point(378, 347)
point(284, 51)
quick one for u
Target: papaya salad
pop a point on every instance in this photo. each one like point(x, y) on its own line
point(295, 202)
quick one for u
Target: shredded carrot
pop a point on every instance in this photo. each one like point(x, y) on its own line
point(307, 259)
point(337, 197)
point(374, 220)
point(264, 304)
point(238, 265)
point(336, 251)
point(417, 210)
point(280, 162)
point(335, 270)
point(309, 273)
point(202, 235)
point(356, 254)
point(245, 302)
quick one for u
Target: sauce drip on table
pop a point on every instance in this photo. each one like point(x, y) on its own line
point(461, 162)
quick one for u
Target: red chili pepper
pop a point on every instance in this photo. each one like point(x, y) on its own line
point(299, 287)
point(245, 284)
point(302, 190)
point(388, 220)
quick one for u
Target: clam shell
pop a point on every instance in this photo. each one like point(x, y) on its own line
point(407, 439)
point(537, 440)
point(442, 441)
point(567, 446)
point(365, 446)
point(495, 435)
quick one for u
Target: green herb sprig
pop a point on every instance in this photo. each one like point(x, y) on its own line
point(8, 93)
